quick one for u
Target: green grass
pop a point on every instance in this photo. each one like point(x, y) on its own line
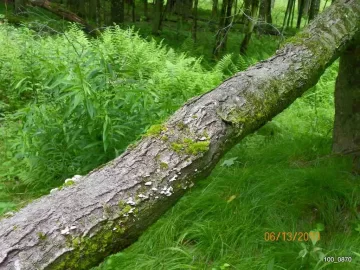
point(281, 179)
point(279, 186)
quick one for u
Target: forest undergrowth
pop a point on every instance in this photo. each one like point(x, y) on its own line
point(282, 179)
point(69, 104)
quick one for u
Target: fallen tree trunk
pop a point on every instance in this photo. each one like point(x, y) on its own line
point(106, 210)
point(65, 14)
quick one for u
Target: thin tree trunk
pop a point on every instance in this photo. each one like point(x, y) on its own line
point(146, 9)
point(72, 5)
point(157, 16)
point(307, 4)
point(214, 10)
point(195, 18)
point(93, 10)
point(187, 9)
point(99, 13)
point(247, 10)
point(249, 27)
point(346, 134)
point(300, 13)
point(264, 15)
point(269, 15)
point(293, 14)
point(224, 27)
point(81, 8)
point(133, 16)
point(314, 9)
point(287, 14)
point(118, 11)
point(108, 209)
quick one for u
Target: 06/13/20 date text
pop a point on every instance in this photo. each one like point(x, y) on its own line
point(292, 236)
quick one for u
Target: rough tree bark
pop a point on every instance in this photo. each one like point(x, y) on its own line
point(106, 210)
point(346, 134)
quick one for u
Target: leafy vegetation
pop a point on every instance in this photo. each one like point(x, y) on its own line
point(280, 179)
point(83, 101)
point(69, 103)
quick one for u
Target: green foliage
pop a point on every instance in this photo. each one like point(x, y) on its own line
point(83, 101)
point(69, 104)
point(280, 179)
point(228, 66)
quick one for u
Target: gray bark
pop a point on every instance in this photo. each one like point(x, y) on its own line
point(107, 210)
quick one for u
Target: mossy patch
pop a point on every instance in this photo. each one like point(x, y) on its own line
point(177, 147)
point(164, 138)
point(298, 39)
point(155, 130)
point(87, 251)
point(181, 125)
point(164, 165)
point(190, 147)
point(198, 147)
point(68, 183)
point(41, 236)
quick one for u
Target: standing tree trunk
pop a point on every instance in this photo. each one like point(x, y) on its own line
point(170, 6)
point(93, 12)
point(221, 36)
point(99, 12)
point(247, 10)
point(187, 8)
point(301, 5)
point(118, 11)
point(133, 16)
point(72, 5)
point(265, 15)
point(249, 26)
point(146, 9)
point(346, 135)
point(214, 10)
point(265, 11)
point(307, 4)
point(195, 18)
point(81, 8)
point(314, 9)
point(107, 210)
point(158, 13)
point(289, 14)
